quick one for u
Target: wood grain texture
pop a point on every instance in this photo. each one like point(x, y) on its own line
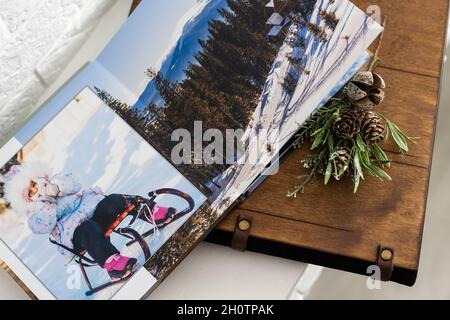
point(414, 35)
point(332, 219)
point(18, 281)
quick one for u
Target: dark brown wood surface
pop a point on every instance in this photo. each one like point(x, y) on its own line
point(331, 219)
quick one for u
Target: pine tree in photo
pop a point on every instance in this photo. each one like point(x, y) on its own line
point(303, 7)
point(298, 64)
point(221, 87)
point(118, 106)
point(330, 19)
point(318, 32)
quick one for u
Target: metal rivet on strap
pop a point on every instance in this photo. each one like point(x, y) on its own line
point(386, 255)
point(244, 225)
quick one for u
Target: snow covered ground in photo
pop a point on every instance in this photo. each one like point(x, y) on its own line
point(89, 140)
point(330, 64)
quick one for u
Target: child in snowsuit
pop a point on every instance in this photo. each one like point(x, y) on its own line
point(76, 218)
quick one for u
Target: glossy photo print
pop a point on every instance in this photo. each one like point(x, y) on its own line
point(259, 67)
point(89, 192)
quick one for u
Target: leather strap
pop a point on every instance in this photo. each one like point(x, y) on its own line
point(385, 261)
point(242, 233)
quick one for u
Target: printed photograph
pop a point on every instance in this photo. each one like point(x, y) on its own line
point(258, 66)
point(87, 201)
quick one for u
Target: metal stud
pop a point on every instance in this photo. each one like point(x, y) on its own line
point(386, 255)
point(244, 225)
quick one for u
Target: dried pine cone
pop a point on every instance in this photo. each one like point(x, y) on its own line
point(342, 161)
point(373, 128)
point(348, 124)
point(366, 90)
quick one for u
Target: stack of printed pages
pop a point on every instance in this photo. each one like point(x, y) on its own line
point(130, 165)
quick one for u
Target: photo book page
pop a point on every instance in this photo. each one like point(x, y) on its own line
point(134, 161)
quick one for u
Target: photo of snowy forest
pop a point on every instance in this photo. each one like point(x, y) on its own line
point(222, 81)
point(221, 66)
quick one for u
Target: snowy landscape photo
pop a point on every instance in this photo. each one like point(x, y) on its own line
point(258, 66)
point(87, 145)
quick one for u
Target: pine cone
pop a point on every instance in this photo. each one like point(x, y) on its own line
point(366, 90)
point(373, 128)
point(342, 161)
point(348, 124)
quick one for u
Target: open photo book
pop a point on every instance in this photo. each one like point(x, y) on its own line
point(133, 162)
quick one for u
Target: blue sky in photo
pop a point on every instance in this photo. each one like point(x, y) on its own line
point(145, 38)
point(112, 70)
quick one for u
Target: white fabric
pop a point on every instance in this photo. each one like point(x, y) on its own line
point(37, 40)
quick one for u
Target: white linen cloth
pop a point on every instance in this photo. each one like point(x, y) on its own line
point(37, 40)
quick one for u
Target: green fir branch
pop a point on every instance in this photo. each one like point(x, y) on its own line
point(366, 157)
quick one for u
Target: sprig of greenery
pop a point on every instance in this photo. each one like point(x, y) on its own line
point(365, 158)
point(399, 137)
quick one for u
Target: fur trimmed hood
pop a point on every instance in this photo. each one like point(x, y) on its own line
point(17, 181)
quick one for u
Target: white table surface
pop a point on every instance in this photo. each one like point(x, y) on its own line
point(210, 271)
point(220, 273)
point(214, 272)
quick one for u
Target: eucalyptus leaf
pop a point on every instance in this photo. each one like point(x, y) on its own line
point(380, 173)
point(405, 136)
point(343, 170)
point(335, 170)
point(398, 137)
point(318, 131)
point(380, 155)
point(357, 181)
point(318, 140)
point(360, 143)
point(330, 142)
point(357, 164)
point(328, 172)
point(364, 157)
